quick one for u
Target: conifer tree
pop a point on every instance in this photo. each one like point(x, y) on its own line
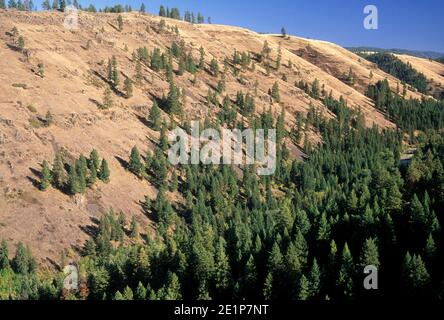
point(20, 262)
point(275, 260)
point(118, 296)
point(115, 72)
point(283, 32)
point(275, 92)
point(120, 22)
point(134, 228)
point(107, 98)
point(45, 178)
point(304, 288)
point(128, 294)
point(73, 183)
point(172, 288)
point(214, 67)
point(417, 276)
point(201, 58)
point(21, 43)
point(154, 116)
point(268, 287)
point(279, 58)
point(314, 279)
point(62, 5)
point(430, 248)
point(174, 182)
point(128, 84)
point(49, 118)
point(92, 178)
point(94, 159)
point(142, 8)
point(222, 267)
point(163, 140)
point(4, 260)
point(104, 171)
point(182, 67)
point(135, 164)
point(369, 255)
point(139, 75)
point(140, 293)
point(173, 101)
point(345, 280)
point(58, 172)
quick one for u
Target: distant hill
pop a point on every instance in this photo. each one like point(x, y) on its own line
point(421, 54)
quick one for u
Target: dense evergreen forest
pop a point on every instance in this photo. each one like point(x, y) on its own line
point(404, 72)
point(410, 114)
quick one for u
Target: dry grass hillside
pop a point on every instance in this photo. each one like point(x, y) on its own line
point(72, 88)
point(432, 70)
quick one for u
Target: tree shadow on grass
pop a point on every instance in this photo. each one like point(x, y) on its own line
point(91, 229)
point(122, 162)
point(144, 121)
point(35, 181)
point(111, 86)
point(97, 103)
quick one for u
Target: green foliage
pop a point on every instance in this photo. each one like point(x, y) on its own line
point(4, 260)
point(404, 72)
point(23, 262)
point(107, 99)
point(104, 171)
point(409, 114)
point(283, 32)
point(73, 181)
point(154, 116)
point(369, 254)
point(172, 104)
point(274, 92)
point(120, 22)
point(226, 232)
point(214, 67)
point(45, 176)
point(128, 87)
point(135, 163)
point(21, 43)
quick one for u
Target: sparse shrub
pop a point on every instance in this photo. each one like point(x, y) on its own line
point(20, 85)
point(48, 119)
point(21, 43)
point(31, 108)
point(41, 69)
point(88, 44)
point(120, 22)
point(34, 122)
point(162, 25)
point(107, 98)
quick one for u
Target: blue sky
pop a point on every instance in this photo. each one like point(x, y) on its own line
point(408, 24)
